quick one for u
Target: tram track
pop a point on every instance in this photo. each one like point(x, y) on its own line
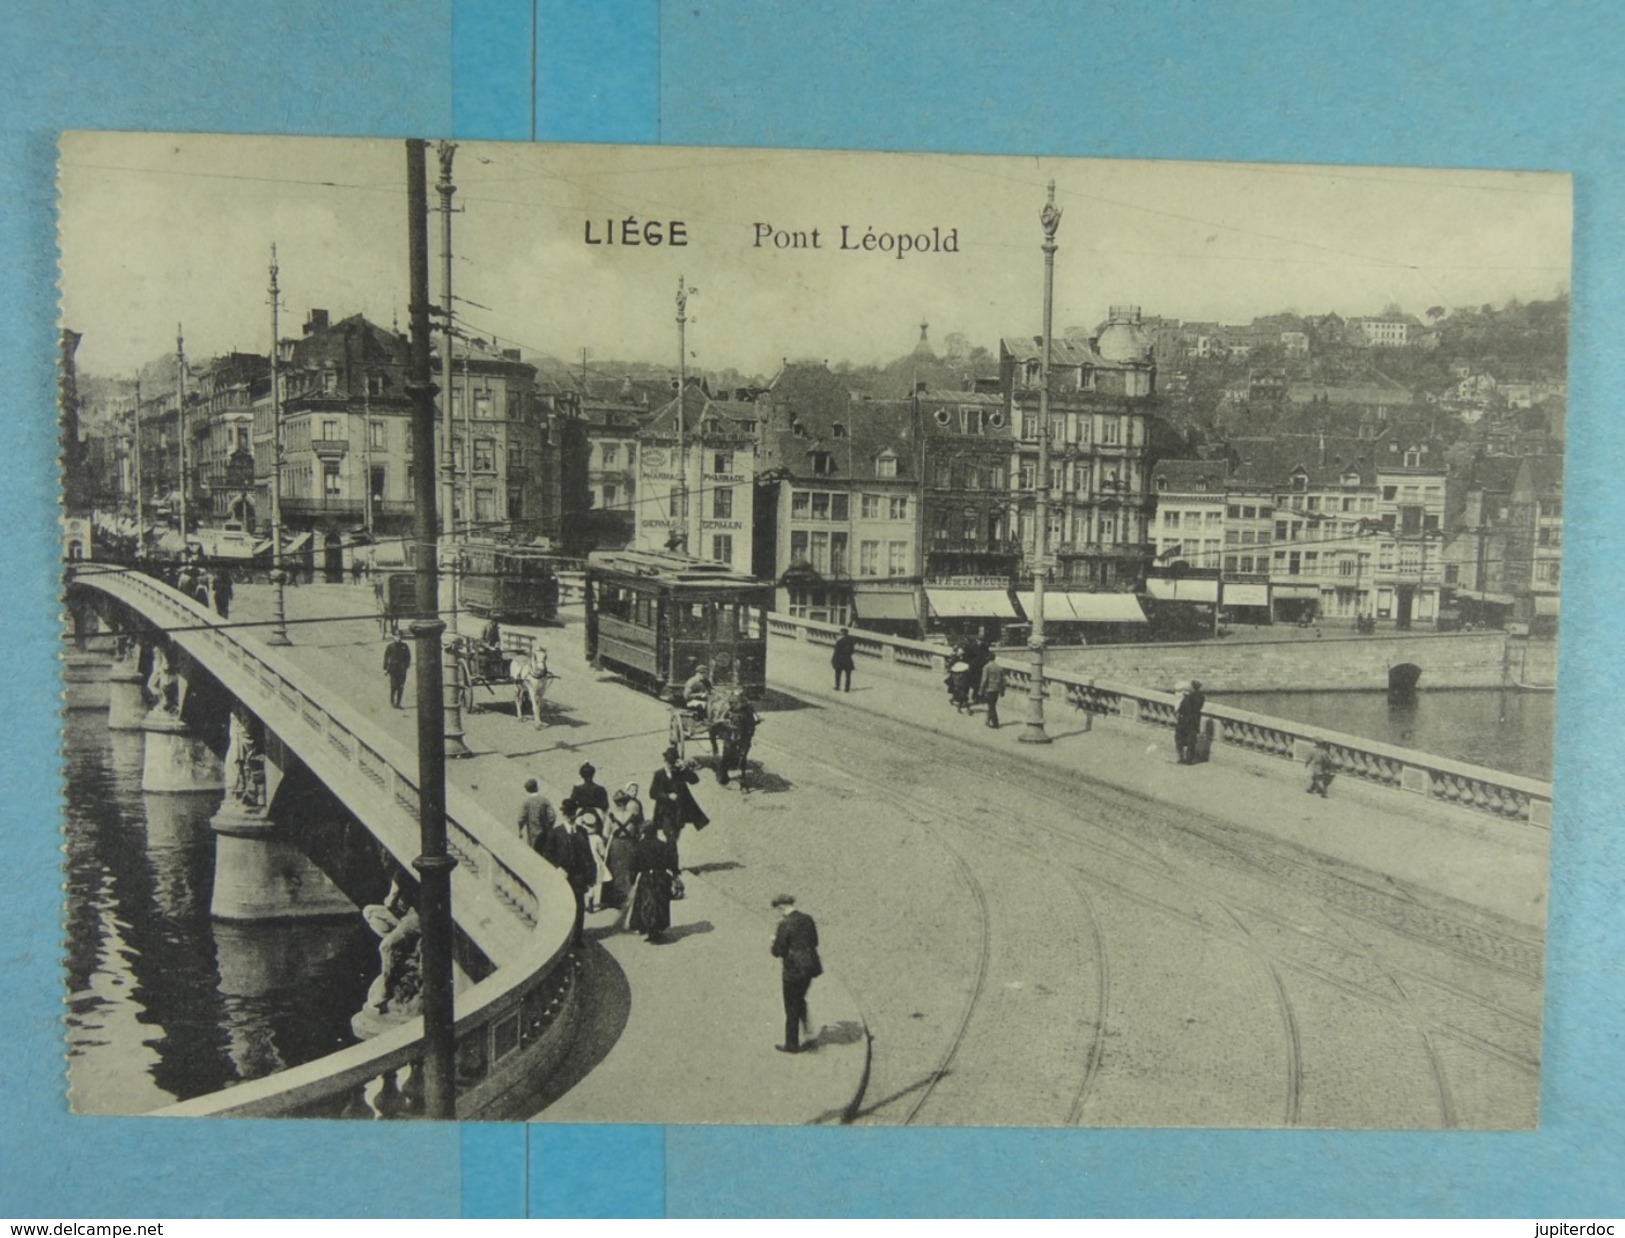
point(1273, 870)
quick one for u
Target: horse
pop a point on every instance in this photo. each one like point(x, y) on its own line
point(530, 678)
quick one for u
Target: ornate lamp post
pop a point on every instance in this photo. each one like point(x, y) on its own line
point(279, 608)
point(1050, 219)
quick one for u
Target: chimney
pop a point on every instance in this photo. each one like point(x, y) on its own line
point(315, 321)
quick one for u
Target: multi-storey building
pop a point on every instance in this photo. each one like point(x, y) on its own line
point(1410, 479)
point(220, 422)
point(1534, 544)
point(349, 456)
point(839, 502)
point(1101, 402)
point(1304, 510)
point(696, 476)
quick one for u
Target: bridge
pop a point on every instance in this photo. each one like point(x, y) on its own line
point(513, 911)
point(1081, 890)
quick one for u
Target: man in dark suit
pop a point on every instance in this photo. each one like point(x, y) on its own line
point(1188, 722)
point(569, 850)
point(795, 944)
point(842, 659)
point(397, 658)
point(674, 804)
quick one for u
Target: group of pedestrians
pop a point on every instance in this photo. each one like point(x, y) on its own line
point(212, 589)
point(614, 853)
point(974, 678)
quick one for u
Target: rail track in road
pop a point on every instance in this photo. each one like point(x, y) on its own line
point(1124, 847)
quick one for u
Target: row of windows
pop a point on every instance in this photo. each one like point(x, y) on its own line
point(828, 554)
point(1191, 520)
point(837, 507)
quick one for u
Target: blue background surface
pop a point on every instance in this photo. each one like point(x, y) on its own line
point(1515, 85)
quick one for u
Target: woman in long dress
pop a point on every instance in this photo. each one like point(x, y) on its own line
point(654, 861)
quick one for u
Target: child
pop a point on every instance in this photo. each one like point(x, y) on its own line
point(1319, 763)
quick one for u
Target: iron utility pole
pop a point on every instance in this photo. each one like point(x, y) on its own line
point(451, 698)
point(1050, 219)
point(433, 865)
point(691, 523)
point(279, 578)
point(445, 151)
point(180, 424)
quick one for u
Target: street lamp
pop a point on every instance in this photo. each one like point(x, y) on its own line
point(279, 611)
point(1050, 219)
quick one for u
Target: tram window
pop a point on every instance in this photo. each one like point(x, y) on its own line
point(691, 620)
point(745, 620)
point(643, 612)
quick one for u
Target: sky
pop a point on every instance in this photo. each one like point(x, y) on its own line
point(164, 230)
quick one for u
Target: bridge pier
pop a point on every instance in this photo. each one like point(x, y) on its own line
point(259, 871)
point(126, 698)
point(260, 874)
point(176, 759)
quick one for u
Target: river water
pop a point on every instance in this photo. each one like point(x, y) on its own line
point(164, 1003)
point(1505, 730)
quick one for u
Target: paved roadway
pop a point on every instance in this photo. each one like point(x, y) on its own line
point(1087, 933)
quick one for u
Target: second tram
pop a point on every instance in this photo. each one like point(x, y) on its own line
point(510, 583)
point(658, 617)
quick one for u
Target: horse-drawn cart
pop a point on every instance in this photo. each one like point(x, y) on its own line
point(515, 670)
point(727, 721)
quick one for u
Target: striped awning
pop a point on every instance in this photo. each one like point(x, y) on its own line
point(1182, 590)
point(970, 604)
point(891, 605)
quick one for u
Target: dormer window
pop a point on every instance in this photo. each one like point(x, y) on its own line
point(837, 430)
point(886, 464)
point(823, 463)
point(1300, 482)
point(1412, 458)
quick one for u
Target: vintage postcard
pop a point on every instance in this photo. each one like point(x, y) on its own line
point(681, 635)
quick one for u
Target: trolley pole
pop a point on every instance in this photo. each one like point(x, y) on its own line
point(140, 504)
point(180, 425)
point(433, 865)
point(690, 518)
point(279, 577)
point(1050, 219)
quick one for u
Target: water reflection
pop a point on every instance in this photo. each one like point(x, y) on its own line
point(1502, 729)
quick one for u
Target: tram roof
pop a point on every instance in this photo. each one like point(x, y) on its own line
point(672, 569)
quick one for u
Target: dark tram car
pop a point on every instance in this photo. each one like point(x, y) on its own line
point(656, 617)
point(515, 584)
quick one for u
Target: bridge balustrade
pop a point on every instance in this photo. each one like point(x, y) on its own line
point(511, 1027)
point(1448, 781)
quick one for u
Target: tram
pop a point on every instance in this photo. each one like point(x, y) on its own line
point(656, 617)
point(511, 583)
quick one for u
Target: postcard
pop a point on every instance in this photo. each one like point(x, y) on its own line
point(686, 635)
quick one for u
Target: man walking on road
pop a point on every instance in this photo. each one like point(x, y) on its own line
point(795, 944)
point(842, 659)
point(992, 689)
point(397, 659)
point(674, 804)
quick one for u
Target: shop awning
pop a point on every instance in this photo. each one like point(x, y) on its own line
point(1546, 604)
point(1249, 595)
point(1104, 607)
point(262, 547)
point(298, 544)
point(1182, 590)
point(970, 604)
point(1287, 591)
point(894, 606)
point(171, 542)
point(1481, 595)
point(1056, 608)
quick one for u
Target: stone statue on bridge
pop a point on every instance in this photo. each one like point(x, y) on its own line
point(395, 995)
